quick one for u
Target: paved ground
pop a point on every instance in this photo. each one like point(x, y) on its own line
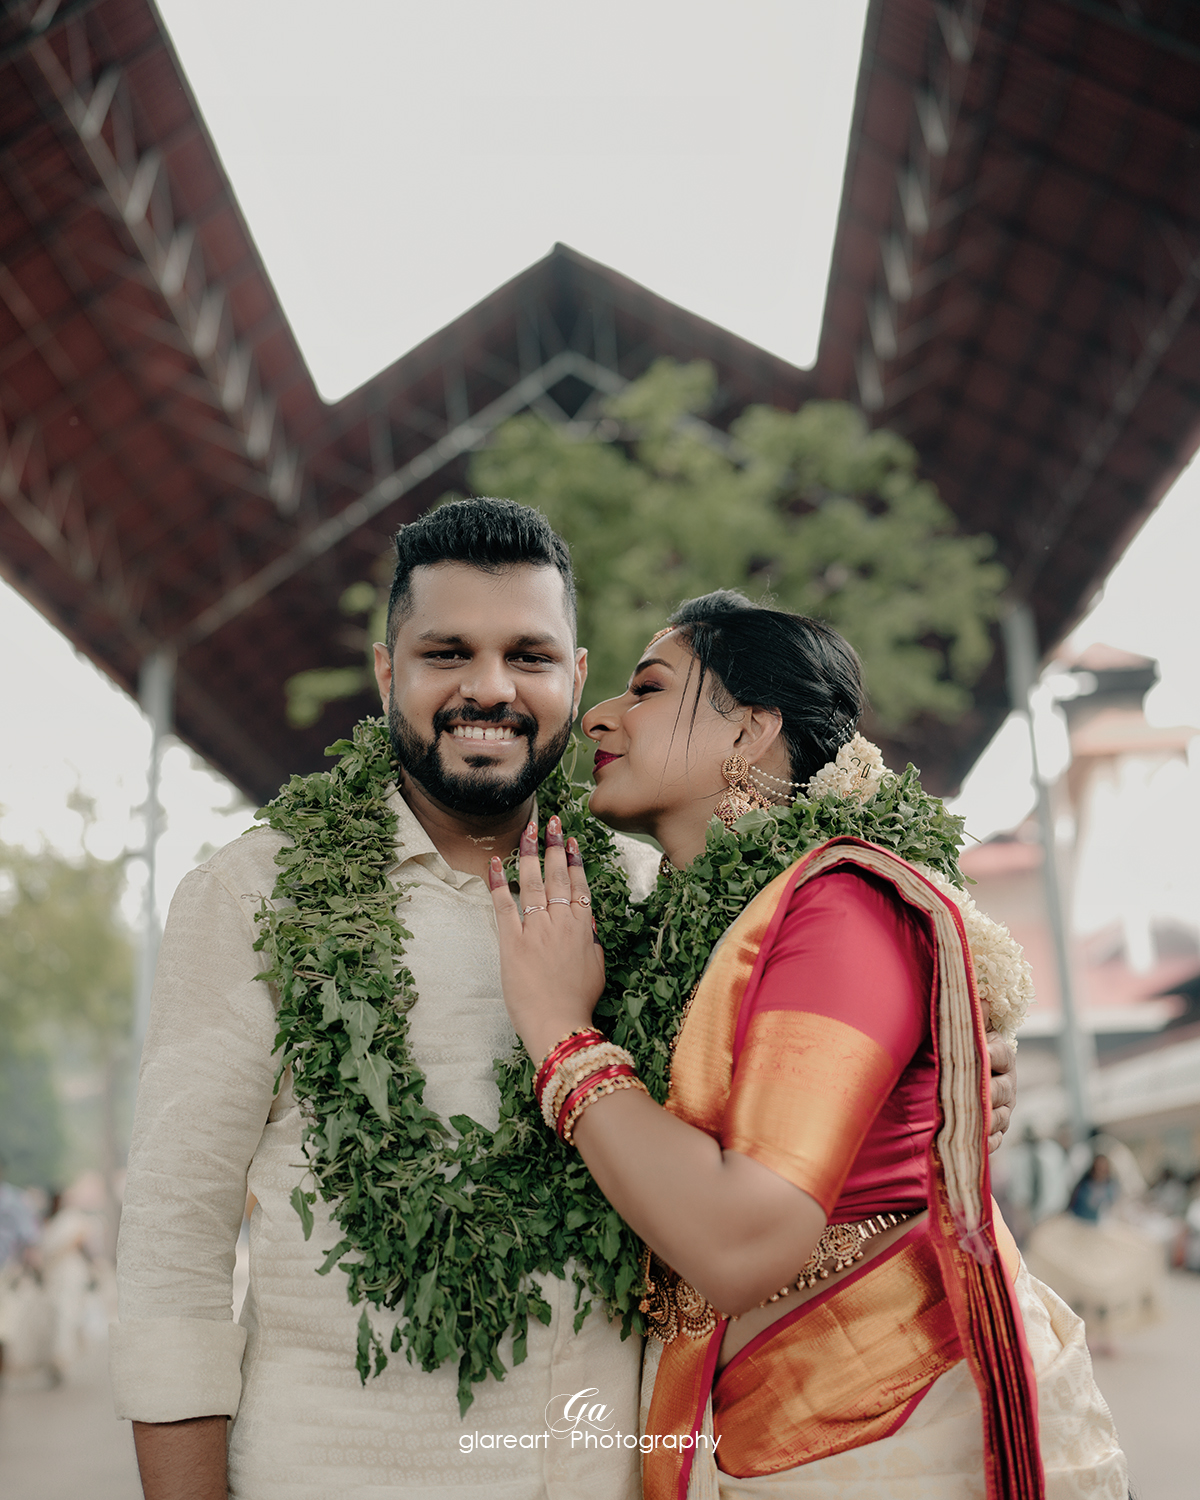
point(66, 1444)
point(1152, 1387)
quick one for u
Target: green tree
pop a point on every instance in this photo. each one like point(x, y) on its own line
point(810, 510)
point(31, 1127)
point(66, 975)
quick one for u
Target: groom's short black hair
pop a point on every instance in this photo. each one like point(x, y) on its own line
point(486, 534)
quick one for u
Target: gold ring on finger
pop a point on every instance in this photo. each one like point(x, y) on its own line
point(558, 901)
point(525, 910)
point(583, 901)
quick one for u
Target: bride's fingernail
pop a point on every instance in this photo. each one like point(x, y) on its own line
point(529, 839)
point(573, 855)
point(495, 874)
point(554, 834)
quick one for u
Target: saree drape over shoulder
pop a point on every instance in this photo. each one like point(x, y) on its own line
point(837, 1038)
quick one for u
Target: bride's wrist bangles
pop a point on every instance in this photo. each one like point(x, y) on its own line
point(578, 1070)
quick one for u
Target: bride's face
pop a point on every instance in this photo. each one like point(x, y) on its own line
point(660, 746)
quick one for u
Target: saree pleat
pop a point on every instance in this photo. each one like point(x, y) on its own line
point(978, 1301)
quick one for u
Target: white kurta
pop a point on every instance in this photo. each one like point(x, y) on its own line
point(209, 1126)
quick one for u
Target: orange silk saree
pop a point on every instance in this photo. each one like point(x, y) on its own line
point(793, 1087)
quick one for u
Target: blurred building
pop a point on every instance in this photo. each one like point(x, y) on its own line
point(1127, 817)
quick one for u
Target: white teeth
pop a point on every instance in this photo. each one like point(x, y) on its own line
point(481, 732)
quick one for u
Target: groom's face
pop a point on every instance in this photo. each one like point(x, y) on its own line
point(483, 683)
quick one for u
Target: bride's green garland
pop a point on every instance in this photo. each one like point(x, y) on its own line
point(448, 1228)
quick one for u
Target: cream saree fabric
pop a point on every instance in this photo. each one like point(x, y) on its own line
point(937, 1454)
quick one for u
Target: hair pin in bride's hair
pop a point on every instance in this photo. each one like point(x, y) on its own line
point(840, 728)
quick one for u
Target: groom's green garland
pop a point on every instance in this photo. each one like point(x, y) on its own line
point(448, 1228)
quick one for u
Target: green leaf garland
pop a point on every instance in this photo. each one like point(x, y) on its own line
point(449, 1227)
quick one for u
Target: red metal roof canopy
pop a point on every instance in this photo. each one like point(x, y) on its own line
point(1014, 286)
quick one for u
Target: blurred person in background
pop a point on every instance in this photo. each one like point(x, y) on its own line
point(1110, 1271)
point(1191, 1228)
point(72, 1260)
point(1169, 1194)
point(1034, 1182)
point(19, 1236)
point(1093, 1196)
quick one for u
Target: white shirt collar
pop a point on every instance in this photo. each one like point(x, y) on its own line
point(414, 846)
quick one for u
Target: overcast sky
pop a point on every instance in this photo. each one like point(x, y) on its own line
point(397, 161)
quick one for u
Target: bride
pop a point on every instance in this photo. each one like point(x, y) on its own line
point(835, 1308)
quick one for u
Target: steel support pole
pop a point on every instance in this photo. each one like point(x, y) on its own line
point(156, 692)
point(1020, 646)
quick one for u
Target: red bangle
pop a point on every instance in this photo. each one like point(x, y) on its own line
point(615, 1070)
point(573, 1042)
point(569, 1044)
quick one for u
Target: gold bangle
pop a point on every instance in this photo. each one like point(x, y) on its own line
point(609, 1086)
point(572, 1071)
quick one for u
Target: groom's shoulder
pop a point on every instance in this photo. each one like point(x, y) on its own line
point(246, 867)
point(639, 861)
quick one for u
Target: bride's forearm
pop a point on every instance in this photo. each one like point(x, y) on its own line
point(731, 1227)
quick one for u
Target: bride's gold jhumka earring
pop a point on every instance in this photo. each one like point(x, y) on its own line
point(741, 796)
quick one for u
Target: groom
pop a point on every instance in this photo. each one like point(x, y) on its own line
point(481, 678)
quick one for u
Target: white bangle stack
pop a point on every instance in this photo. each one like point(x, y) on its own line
point(571, 1072)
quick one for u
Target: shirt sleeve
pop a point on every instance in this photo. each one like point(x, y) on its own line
point(204, 1095)
point(842, 1005)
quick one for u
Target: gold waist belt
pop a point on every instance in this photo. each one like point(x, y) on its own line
point(673, 1309)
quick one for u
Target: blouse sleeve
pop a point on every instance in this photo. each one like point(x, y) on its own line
point(842, 1005)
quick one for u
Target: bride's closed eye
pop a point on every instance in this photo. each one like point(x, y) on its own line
point(642, 688)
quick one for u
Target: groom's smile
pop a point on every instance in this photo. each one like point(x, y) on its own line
point(482, 683)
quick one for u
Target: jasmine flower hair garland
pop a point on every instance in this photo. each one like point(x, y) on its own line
point(447, 1229)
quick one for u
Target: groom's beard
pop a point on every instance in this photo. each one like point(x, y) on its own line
point(485, 791)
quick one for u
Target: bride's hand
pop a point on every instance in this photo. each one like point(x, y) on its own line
point(551, 966)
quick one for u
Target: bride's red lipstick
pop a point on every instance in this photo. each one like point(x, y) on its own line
point(603, 758)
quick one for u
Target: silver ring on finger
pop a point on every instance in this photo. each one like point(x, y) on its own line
point(582, 901)
point(525, 910)
point(558, 901)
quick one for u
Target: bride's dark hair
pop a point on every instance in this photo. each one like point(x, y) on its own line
point(752, 656)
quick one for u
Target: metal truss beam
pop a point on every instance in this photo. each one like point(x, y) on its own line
point(49, 506)
point(44, 17)
point(1104, 438)
point(951, 45)
point(136, 183)
point(327, 534)
point(61, 365)
point(1155, 36)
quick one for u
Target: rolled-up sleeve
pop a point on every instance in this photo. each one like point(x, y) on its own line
point(204, 1097)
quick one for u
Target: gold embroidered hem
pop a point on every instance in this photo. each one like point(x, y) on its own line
point(842, 1370)
point(674, 1309)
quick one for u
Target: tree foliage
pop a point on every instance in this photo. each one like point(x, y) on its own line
point(31, 1128)
point(66, 970)
point(810, 510)
point(65, 956)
